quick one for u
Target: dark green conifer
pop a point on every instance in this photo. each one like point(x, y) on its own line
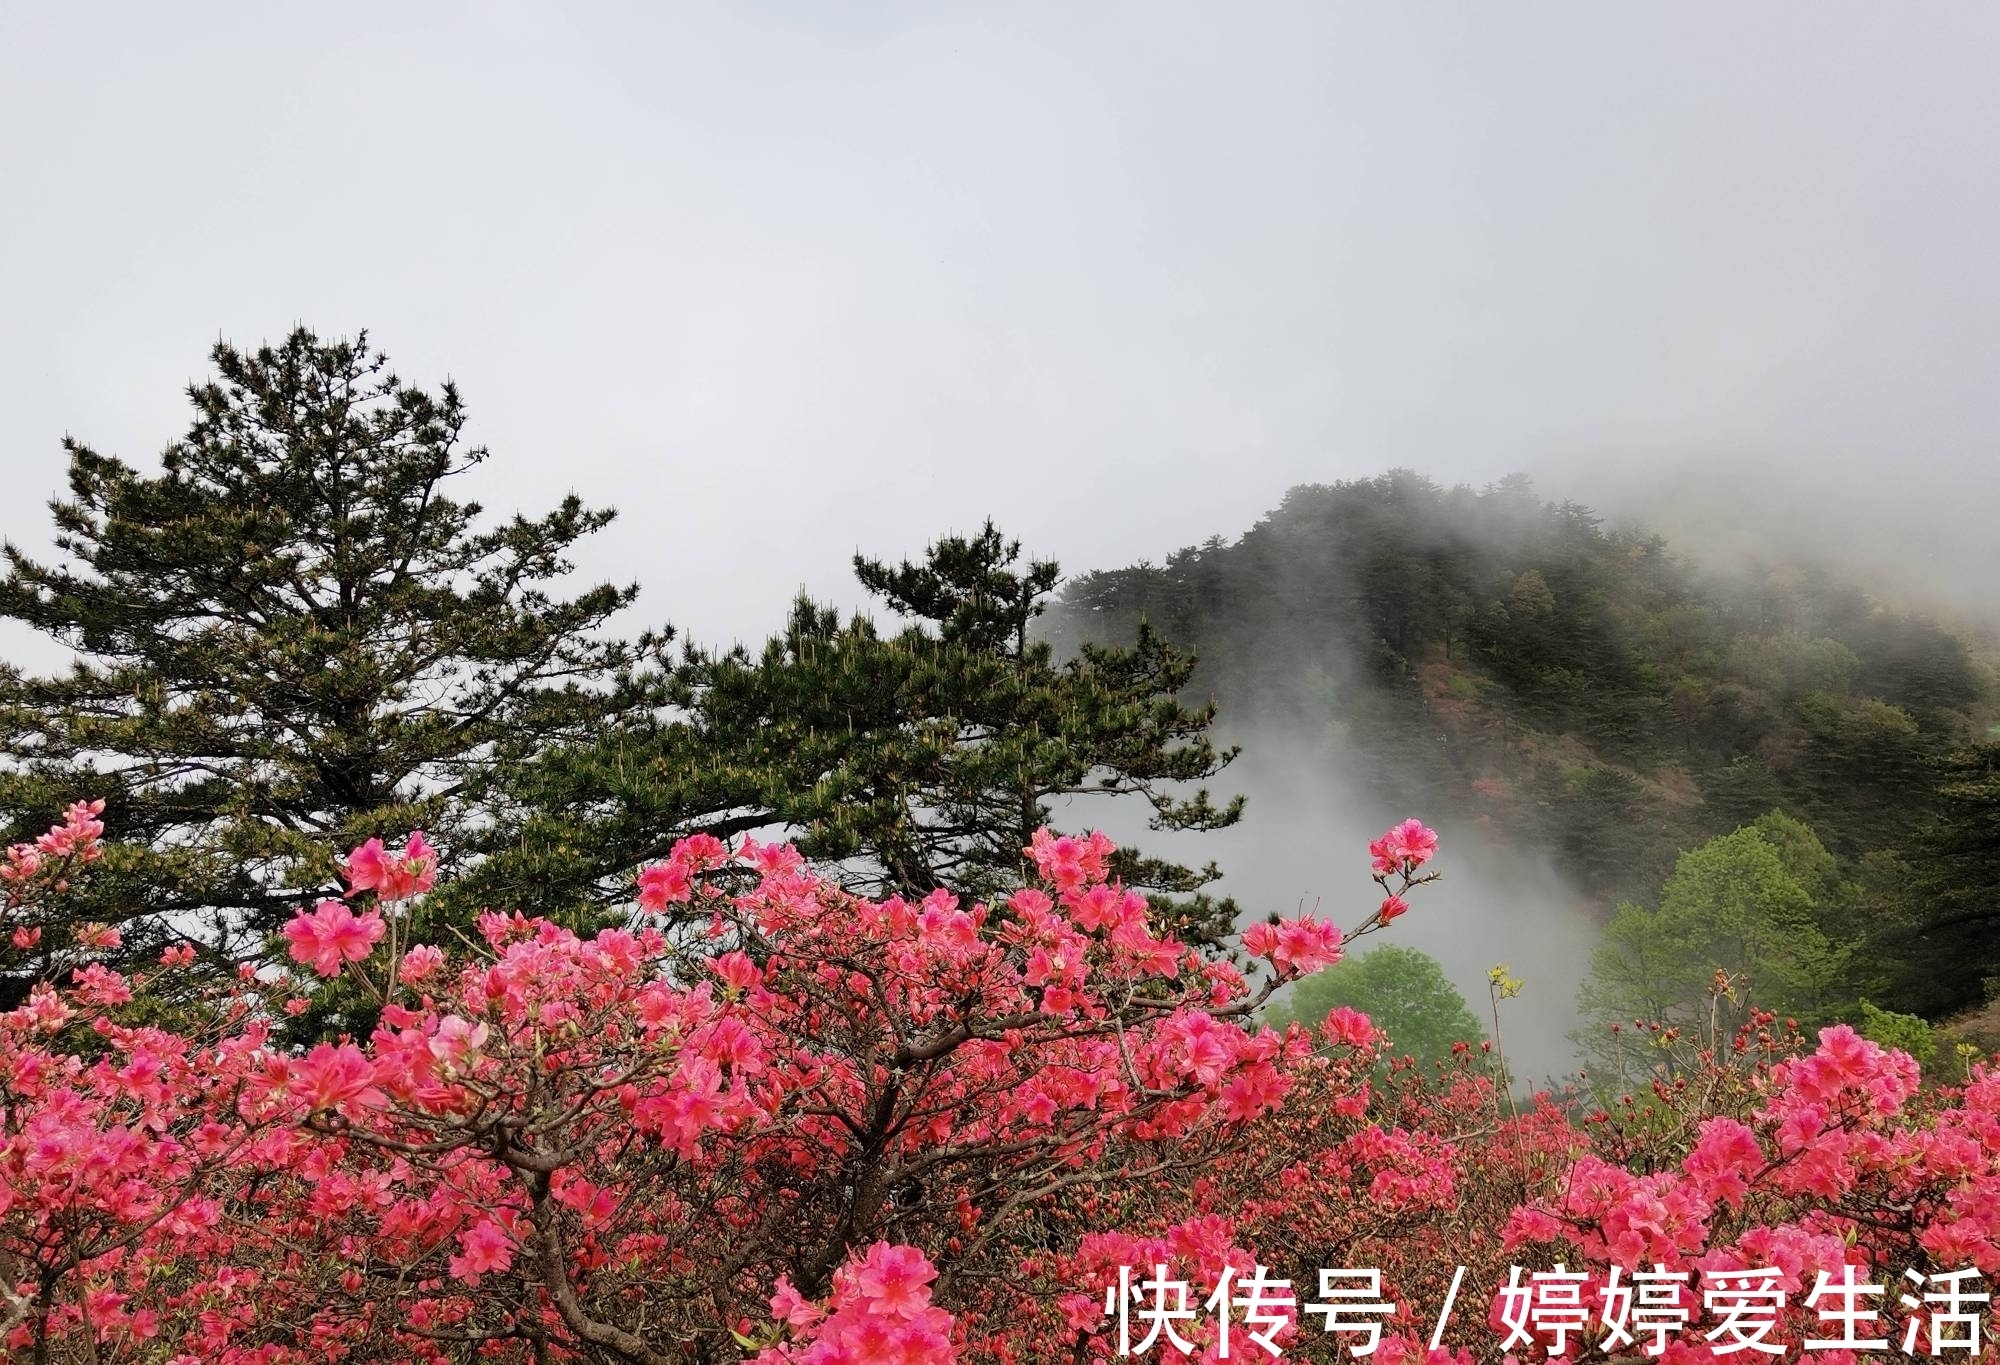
point(291, 637)
point(921, 758)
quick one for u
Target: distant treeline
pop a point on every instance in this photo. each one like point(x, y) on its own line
point(297, 634)
point(1582, 689)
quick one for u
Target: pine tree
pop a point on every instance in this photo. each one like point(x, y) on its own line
point(289, 639)
point(921, 758)
point(1942, 929)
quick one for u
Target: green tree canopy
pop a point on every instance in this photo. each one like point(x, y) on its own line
point(1942, 931)
point(912, 759)
point(1402, 990)
point(292, 637)
point(1749, 904)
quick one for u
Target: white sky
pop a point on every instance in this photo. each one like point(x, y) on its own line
point(784, 281)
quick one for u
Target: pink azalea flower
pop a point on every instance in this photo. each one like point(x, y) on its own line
point(1260, 939)
point(1297, 946)
point(896, 1279)
point(662, 884)
point(419, 964)
point(338, 1078)
point(1403, 848)
point(788, 1306)
point(393, 877)
point(456, 1040)
point(1350, 1026)
point(332, 934)
point(737, 971)
point(1386, 855)
point(483, 1247)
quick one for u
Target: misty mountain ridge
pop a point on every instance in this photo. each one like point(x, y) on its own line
point(1917, 542)
point(1575, 691)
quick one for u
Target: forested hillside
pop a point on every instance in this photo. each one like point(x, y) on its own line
point(1584, 690)
point(783, 954)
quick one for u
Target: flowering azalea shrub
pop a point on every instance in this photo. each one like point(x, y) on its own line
point(1823, 1168)
point(767, 1119)
point(32, 873)
point(783, 1122)
point(1796, 1166)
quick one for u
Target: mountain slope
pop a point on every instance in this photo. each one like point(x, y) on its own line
point(1578, 688)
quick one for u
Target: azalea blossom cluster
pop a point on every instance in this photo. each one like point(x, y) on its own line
point(1554, 1313)
point(30, 872)
point(333, 934)
point(859, 1112)
point(1400, 855)
point(764, 1119)
point(1837, 1166)
point(1791, 1169)
point(880, 1309)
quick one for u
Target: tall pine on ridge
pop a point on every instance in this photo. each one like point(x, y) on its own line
point(917, 759)
point(291, 638)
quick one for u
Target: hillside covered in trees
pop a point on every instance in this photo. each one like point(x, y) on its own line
point(1517, 663)
point(782, 955)
point(294, 639)
point(297, 637)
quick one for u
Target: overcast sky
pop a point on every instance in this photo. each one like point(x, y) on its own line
point(784, 281)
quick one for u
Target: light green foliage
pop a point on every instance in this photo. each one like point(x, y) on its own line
point(1531, 596)
point(1790, 666)
point(1904, 1031)
point(1747, 904)
point(1402, 990)
point(1801, 854)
